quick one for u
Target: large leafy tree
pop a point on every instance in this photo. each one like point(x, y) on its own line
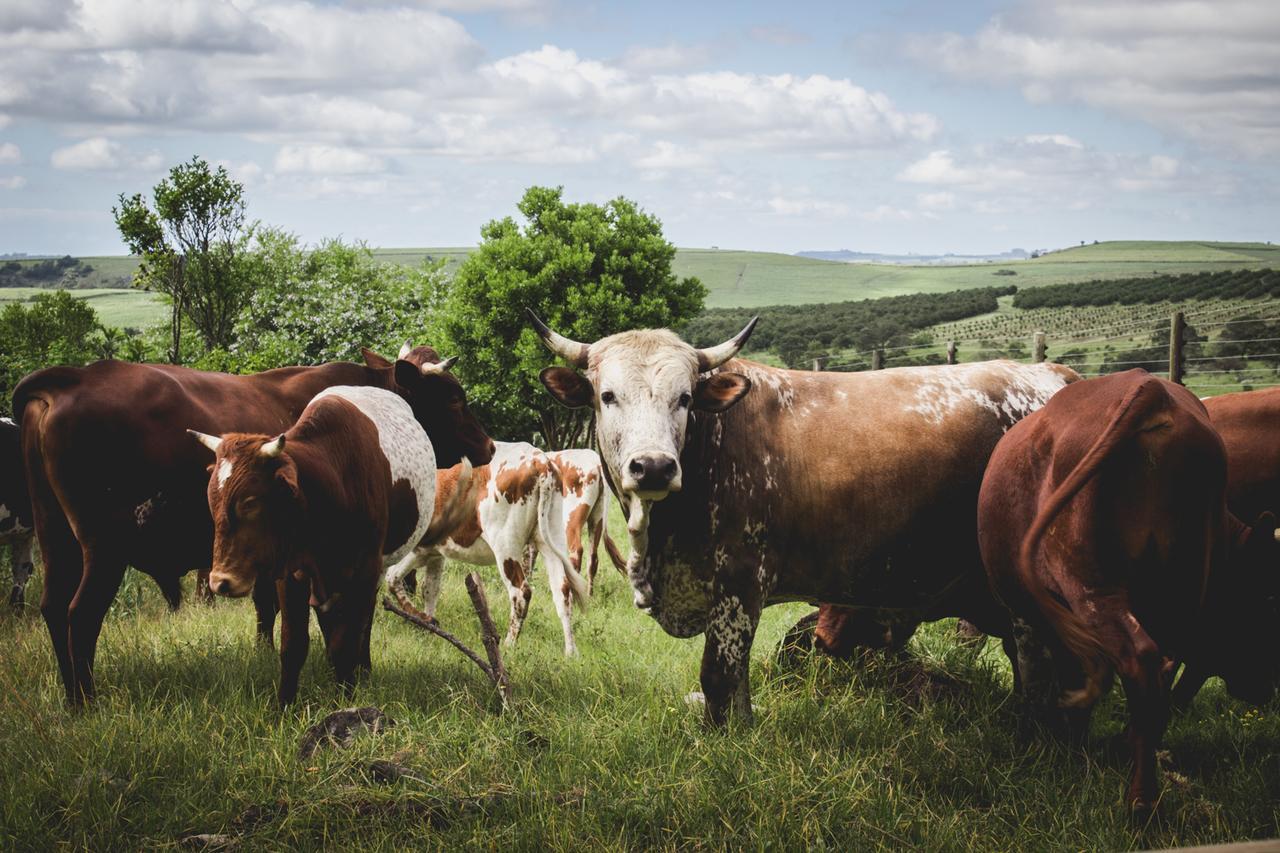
point(56, 329)
point(189, 241)
point(589, 270)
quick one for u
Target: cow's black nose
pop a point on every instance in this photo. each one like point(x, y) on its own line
point(222, 587)
point(653, 471)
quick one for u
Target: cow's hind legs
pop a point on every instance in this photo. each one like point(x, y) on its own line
point(726, 657)
point(514, 571)
point(99, 584)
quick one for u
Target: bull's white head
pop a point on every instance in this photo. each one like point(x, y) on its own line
point(642, 385)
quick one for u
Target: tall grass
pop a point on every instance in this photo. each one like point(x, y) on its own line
point(601, 752)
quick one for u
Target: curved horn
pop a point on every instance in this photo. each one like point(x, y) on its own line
point(210, 441)
point(439, 367)
point(405, 350)
point(273, 448)
point(571, 351)
point(712, 357)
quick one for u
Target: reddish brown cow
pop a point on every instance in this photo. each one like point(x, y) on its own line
point(115, 481)
point(1104, 529)
point(15, 509)
point(316, 511)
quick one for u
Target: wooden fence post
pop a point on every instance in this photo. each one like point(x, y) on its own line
point(817, 365)
point(877, 359)
point(1037, 347)
point(1177, 333)
point(951, 353)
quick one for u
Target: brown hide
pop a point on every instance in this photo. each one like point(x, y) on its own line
point(1102, 522)
point(115, 480)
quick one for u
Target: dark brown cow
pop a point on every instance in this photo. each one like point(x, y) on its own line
point(115, 480)
point(1104, 529)
point(16, 526)
point(316, 511)
point(747, 485)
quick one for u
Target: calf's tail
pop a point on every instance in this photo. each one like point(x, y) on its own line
point(1139, 404)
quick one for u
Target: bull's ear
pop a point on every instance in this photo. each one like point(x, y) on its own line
point(720, 391)
point(568, 386)
point(374, 360)
point(407, 374)
point(1265, 527)
point(287, 476)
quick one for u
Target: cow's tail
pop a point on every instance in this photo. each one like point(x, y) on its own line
point(551, 537)
point(615, 555)
point(1136, 406)
point(457, 507)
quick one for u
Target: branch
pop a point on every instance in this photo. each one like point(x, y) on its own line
point(497, 675)
point(489, 634)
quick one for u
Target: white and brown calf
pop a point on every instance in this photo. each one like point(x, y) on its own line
point(517, 503)
point(586, 502)
point(16, 526)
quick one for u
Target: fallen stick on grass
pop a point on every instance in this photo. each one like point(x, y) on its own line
point(494, 669)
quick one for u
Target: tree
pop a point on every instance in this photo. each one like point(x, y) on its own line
point(589, 270)
point(324, 304)
point(189, 245)
point(56, 329)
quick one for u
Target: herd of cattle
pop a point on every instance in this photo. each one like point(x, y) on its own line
point(1116, 525)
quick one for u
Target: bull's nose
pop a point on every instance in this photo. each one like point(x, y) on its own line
point(222, 587)
point(652, 471)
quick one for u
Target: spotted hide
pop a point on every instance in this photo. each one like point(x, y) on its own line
point(516, 505)
point(1104, 528)
point(115, 481)
point(747, 485)
point(317, 511)
point(586, 503)
point(16, 526)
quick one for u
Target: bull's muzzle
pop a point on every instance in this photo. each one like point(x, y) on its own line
point(229, 585)
point(652, 475)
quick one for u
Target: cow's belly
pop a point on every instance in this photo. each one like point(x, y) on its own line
point(478, 553)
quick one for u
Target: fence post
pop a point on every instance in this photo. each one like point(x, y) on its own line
point(951, 353)
point(817, 365)
point(1177, 332)
point(877, 359)
point(1037, 347)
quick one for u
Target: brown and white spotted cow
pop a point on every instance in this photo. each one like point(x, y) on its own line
point(857, 489)
point(318, 510)
point(1104, 527)
point(586, 503)
point(516, 504)
point(16, 527)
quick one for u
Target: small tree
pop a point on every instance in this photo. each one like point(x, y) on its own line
point(589, 270)
point(189, 247)
point(56, 329)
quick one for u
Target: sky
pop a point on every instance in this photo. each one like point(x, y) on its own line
point(898, 126)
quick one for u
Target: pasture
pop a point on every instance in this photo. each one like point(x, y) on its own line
point(123, 307)
point(600, 752)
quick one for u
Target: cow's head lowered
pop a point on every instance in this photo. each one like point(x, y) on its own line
point(257, 509)
point(643, 384)
point(439, 403)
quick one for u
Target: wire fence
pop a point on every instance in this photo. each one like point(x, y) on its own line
point(1188, 357)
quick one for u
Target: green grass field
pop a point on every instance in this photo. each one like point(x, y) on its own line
point(601, 752)
point(115, 306)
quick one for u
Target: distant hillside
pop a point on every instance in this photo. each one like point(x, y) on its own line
point(845, 256)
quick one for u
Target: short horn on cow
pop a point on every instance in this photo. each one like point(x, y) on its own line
point(405, 350)
point(273, 448)
point(210, 441)
point(712, 357)
point(571, 351)
point(441, 367)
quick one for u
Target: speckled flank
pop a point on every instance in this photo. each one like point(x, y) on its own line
point(405, 445)
point(1025, 388)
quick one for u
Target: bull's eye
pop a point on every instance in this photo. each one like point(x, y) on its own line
point(607, 397)
point(685, 400)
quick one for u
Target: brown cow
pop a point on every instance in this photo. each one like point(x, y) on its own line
point(747, 485)
point(1104, 529)
point(586, 503)
point(316, 511)
point(115, 481)
point(16, 526)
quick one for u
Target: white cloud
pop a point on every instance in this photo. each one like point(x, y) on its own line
point(939, 167)
point(667, 156)
point(9, 154)
point(99, 154)
point(668, 57)
point(886, 213)
point(936, 201)
point(14, 182)
point(1205, 69)
point(807, 207)
point(1053, 139)
point(326, 160)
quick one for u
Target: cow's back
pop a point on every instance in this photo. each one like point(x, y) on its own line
point(1247, 423)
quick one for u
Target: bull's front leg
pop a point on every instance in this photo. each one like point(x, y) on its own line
point(726, 657)
point(295, 639)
